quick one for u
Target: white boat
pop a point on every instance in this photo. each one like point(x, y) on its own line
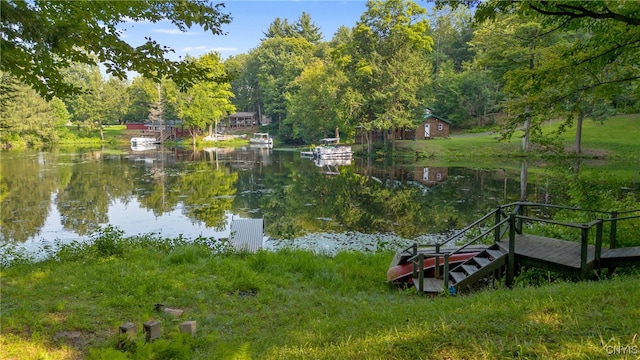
point(329, 149)
point(140, 141)
point(143, 147)
point(261, 138)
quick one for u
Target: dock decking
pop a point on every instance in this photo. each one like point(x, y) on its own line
point(540, 248)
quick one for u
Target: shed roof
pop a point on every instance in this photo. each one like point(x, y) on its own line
point(429, 116)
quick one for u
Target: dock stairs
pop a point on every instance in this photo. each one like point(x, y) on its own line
point(484, 264)
point(445, 268)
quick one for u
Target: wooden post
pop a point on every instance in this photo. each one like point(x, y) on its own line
point(421, 273)
point(496, 234)
point(446, 272)
point(436, 269)
point(128, 333)
point(520, 212)
point(612, 233)
point(583, 250)
point(511, 257)
point(152, 330)
point(598, 243)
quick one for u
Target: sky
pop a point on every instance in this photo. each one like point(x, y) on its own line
point(251, 18)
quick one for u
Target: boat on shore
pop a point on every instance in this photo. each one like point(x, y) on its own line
point(329, 148)
point(261, 139)
point(401, 269)
point(141, 141)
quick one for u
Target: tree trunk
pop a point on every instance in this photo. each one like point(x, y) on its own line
point(578, 148)
point(101, 132)
point(524, 176)
point(526, 129)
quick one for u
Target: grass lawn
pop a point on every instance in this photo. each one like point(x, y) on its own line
point(616, 137)
point(295, 305)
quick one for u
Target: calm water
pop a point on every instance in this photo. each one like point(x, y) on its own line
point(65, 195)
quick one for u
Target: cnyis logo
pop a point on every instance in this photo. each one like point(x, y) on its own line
point(621, 349)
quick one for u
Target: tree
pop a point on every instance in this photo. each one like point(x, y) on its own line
point(514, 47)
point(244, 69)
point(26, 115)
point(307, 29)
point(597, 65)
point(281, 61)
point(40, 38)
point(315, 107)
point(386, 61)
point(206, 103)
point(279, 28)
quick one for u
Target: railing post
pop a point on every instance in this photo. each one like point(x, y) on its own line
point(421, 273)
point(436, 269)
point(520, 211)
point(496, 234)
point(511, 257)
point(583, 250)
point(599, 227)
point(613, 231)
point(446, 272)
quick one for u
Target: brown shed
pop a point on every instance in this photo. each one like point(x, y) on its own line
point(432, 126)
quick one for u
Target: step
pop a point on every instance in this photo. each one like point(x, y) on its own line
point(470, 269)
point(482, 261)
point(495, 253)
point(457, 276)
point(430, 285)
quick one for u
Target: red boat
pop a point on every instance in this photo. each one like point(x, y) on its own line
point(400, 270)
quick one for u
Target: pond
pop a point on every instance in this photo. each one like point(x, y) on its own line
point(58, 196)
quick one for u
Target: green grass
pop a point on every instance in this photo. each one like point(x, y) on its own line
point(73, 135)
point(293, 305)
point(614, 138)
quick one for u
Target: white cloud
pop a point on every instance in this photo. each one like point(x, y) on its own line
point(204, 48)
point(174, 32)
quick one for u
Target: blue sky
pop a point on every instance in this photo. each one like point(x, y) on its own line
point(251, 18)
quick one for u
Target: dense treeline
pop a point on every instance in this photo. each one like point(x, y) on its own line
point(514, 65)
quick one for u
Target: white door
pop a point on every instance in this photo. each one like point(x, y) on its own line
point(427, 130)
point(425, 174)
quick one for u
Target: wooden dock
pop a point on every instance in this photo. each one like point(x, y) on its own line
point(549, 250)
point(574, 258)
point(565, 255)
point(247, 234)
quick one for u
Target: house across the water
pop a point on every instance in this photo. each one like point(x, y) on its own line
point(432, 126)
point(170, 129)
point(246, 119)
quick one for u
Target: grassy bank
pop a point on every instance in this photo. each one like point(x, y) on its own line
point(293, 305)
point(614, 138)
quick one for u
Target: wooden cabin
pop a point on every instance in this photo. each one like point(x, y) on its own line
point(432, 126)
point(243, 119)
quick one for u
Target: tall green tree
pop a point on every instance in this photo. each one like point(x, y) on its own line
point(307, 29)
point(244, 69)
point(514, 47)
point(26, 116)
point(281, 61)
point(206, 103)
point(595, 66)
point(386, 62)
point(315, 108)
point(40, 38)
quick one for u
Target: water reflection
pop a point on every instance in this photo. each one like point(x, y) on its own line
point(66, 195)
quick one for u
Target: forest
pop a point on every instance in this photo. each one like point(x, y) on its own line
point(502, 65)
